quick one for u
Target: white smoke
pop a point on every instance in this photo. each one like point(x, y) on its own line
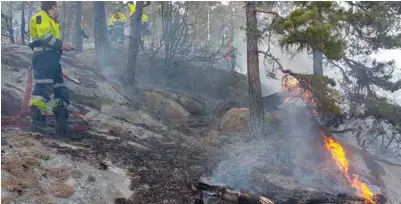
point(301, 63)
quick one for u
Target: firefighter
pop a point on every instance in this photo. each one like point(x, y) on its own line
point(118, 16)
point(116, 26)
point(144, 19)
point(82, 29)
point(145, 25)
point(47, 49)
point(131, 8)
point(83, 33)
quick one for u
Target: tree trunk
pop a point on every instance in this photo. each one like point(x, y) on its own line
point(68, 23)
point(167, 23)
point(317, 62)
point(23, 23)
point(233, 58)
point(100, 31)
point(255, 92)
point(208, 23)
point(11, 30)
point(135, 40)
point(30, 10)
point(169, 35)
point(62, 19)
point(76, 26)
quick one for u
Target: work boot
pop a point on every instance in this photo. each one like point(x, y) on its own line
point(38, 123)
point(62, 126)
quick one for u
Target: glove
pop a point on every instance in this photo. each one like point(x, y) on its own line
point(34, 44)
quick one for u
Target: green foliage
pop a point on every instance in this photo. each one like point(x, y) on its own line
point(321, 25)
point(375, 23)
point(4, 23)
point(326, 98)
point(312, 26)
point(381, 109)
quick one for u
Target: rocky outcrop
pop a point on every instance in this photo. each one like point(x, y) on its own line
point(33, 174)
point(192, 104)
point(130, 115)
point(165, 107)
point(235, 120)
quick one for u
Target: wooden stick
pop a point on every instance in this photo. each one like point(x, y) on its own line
point(267, 12)
point(227, 194)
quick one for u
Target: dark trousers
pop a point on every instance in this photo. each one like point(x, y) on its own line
point(117, 32)
point(48, 78)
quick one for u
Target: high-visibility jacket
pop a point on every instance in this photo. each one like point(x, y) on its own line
point(117, 17)
point(44, 31)
point(132, 10)
point(83, 32)
point(145, 18)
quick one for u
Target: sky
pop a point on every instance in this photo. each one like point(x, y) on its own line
point(303, 63)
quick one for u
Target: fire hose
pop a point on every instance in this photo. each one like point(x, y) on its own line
point(71, 79)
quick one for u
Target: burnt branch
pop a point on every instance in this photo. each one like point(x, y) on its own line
point(227, 194)
point(267, 12)
point(235, 196)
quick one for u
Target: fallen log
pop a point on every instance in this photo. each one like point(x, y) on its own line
point(227, 194)
point(235, 196)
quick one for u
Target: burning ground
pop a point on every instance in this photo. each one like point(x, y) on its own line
point(145, 143)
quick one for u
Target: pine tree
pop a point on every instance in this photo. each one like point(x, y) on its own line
point(100, 32)
point(255, 91)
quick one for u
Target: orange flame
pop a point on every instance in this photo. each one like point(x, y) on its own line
point(333, 147)
point(291, 86)
point(362, 189)
point(338, 154)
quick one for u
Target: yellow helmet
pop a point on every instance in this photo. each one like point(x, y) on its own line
point(145, 18)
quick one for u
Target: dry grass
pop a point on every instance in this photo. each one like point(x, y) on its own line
point(62, 190)
point(59, 173)
point(27, 177)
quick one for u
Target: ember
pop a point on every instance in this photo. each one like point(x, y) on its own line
point(333, 147)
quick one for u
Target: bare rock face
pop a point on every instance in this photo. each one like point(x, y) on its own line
point(235, 120)
point(33, 174)
point(188, 102)
point(130, 115)
point(91, 85)
point(108, 126)
point(166, 107)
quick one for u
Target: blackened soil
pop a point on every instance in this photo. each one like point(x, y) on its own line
point(158, 175)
